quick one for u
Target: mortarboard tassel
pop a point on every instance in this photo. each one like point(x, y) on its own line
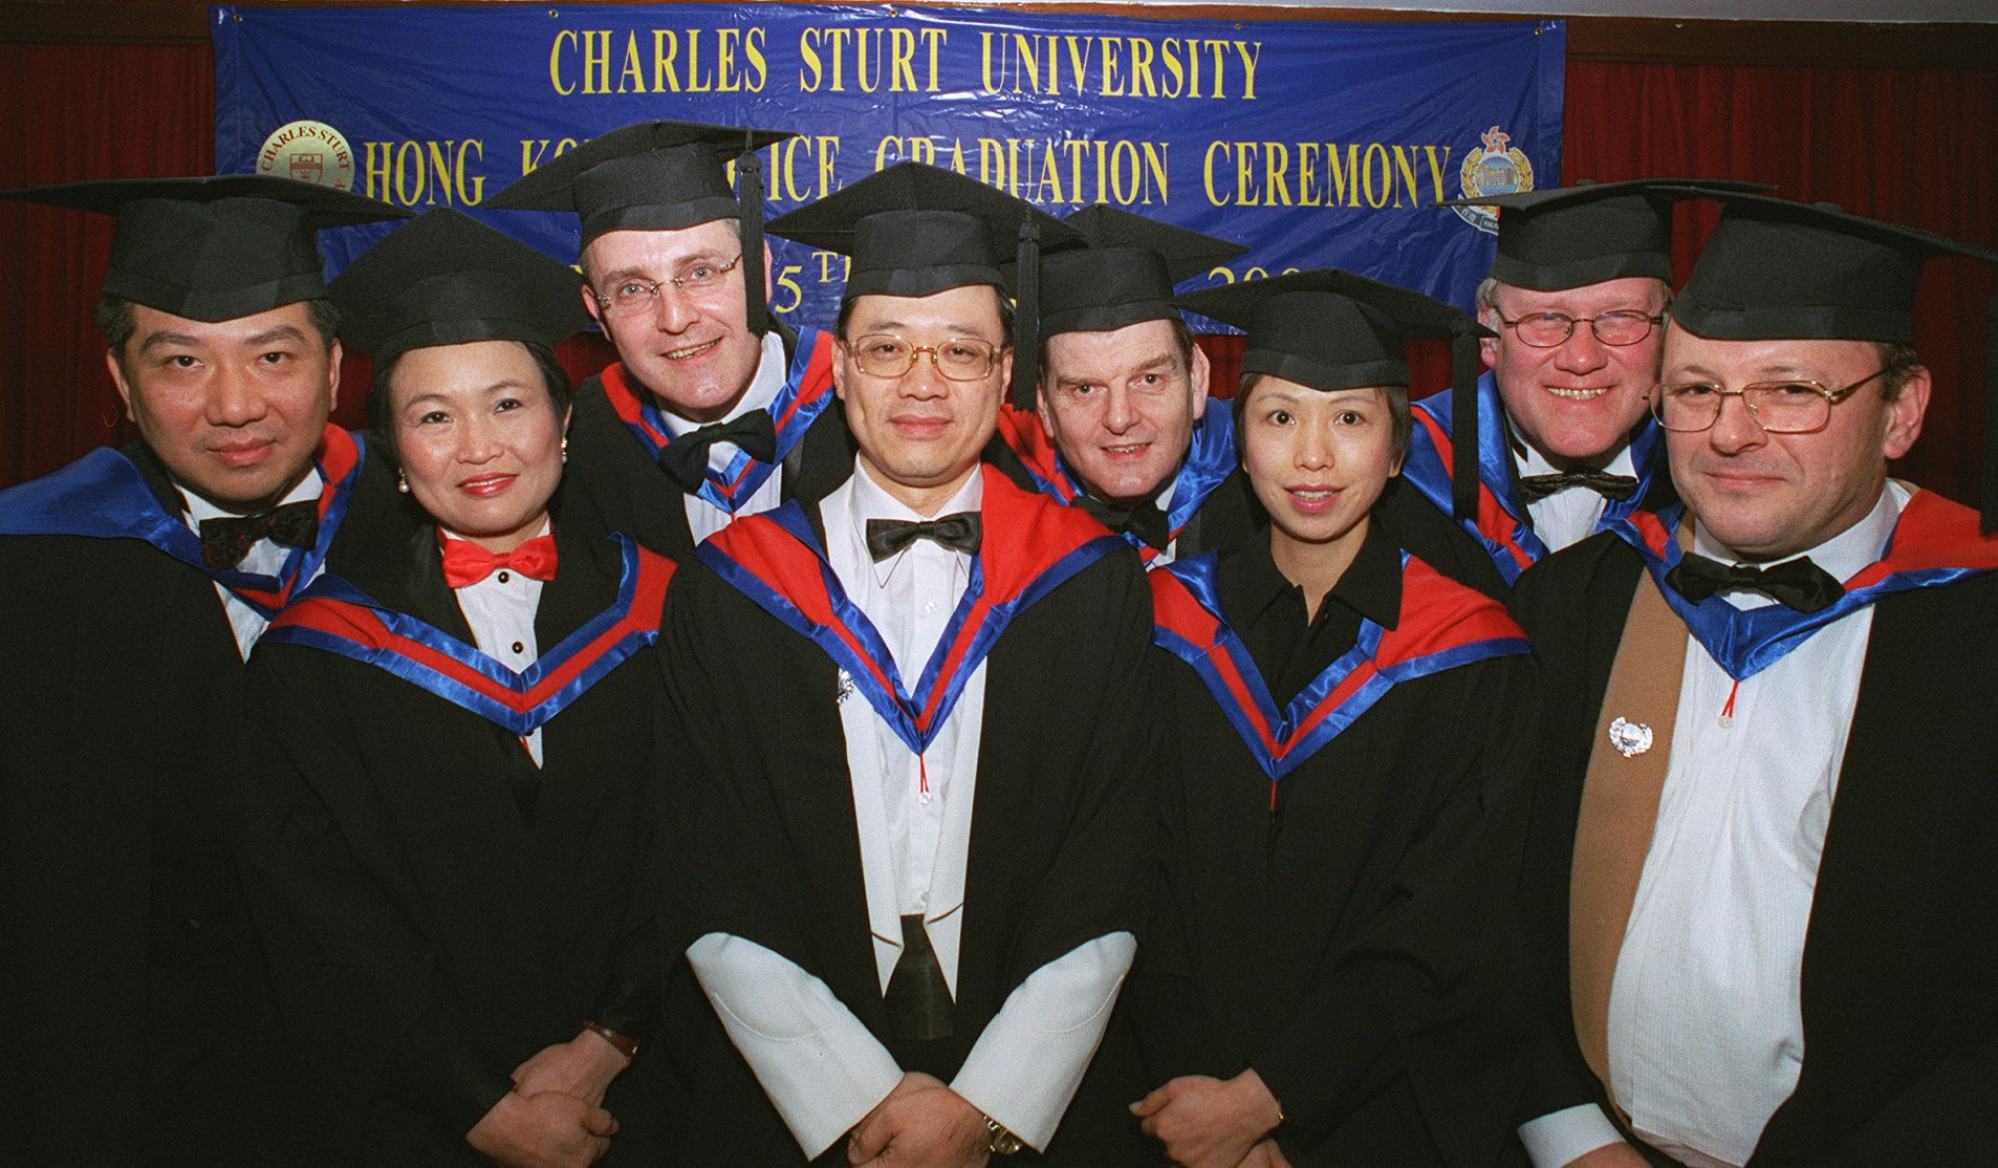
point(1464, 423)
point(1990, 485)
point(1027, 317)
point(749, 199)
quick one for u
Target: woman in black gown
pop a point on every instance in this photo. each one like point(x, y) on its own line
point(451, 833)
point(1324, 983)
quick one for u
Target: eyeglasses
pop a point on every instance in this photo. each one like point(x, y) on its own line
point(959, 359)
point(635, 295)
point(1779, 407)
point(1548, 330)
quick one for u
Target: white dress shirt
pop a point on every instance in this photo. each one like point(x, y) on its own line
point(265, 558)
point(1706, 1033)
point(1569, 515)
point(820, 1066)
point(500, 609)
point(1163, 502)
point(703, 517)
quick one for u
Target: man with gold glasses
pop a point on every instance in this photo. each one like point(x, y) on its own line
point(712, 411)
point(1767, 840)
point(1552, 443)
point(921, 961)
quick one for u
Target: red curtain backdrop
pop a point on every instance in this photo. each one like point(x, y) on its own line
point(1907, 145)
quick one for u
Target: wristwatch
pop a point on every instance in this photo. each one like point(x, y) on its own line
point(999, 1141)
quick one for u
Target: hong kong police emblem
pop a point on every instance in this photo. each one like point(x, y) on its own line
point(1495, 168)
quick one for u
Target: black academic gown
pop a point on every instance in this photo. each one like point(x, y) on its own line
point(1059, 840)
point(435, 908)
point(612, 483)
point(1345, 943)
point(135, 1026)
point(1900, 1024)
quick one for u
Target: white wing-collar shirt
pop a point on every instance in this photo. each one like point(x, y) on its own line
point(819, 1064)
point(703, 517)
point(265, 557)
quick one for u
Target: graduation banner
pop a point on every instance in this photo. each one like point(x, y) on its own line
point(1313, 143)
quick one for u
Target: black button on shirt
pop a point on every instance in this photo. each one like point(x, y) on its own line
point(1289, 645)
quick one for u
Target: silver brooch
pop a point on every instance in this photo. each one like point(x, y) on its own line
point(845, 689)
point(1629, 738)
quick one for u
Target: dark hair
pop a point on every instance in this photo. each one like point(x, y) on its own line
point(1398, 416)
point(1899, 363)
point(1182, 338)
point(117, 321)
point(1005, 317)
point(382, 421)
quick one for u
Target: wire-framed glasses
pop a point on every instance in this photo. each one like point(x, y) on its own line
point(1547, 330)
point(633, 295)
point(959, 358)
point(1779, 407)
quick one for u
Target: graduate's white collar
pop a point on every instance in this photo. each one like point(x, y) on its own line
point(1531, 462)
point(865, 499)
point(771, 370)
point(1842, 555)
point(199, 507)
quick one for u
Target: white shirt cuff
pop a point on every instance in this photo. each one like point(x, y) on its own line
point(822, 1069)
point(1559, 1137)
point(1026, 1065)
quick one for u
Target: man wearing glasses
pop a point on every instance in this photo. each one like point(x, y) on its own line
point(1765, 888)
point(919, 738)
point(710, 404)
point(1561, 446)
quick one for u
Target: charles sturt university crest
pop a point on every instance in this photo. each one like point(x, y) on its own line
point(308, 151)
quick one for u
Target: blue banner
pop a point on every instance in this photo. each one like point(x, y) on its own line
point(1313, 143)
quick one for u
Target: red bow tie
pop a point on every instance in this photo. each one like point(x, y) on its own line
point(467, 563)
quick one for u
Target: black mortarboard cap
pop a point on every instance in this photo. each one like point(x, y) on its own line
point(1566, 237)
point(659, 176)
point(448, 279)
point(1775, 269)
point(1123, 272)
point(1330, 329)
point(215, 248)
point(917, 230)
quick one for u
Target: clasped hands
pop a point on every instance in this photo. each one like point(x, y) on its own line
point(922, 1123)
point(1214, 1123)
point(554, 1116)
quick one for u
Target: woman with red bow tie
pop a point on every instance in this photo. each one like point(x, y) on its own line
point(451, 832)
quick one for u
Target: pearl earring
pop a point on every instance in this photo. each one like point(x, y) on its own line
point(565, 448)
point(402, 482)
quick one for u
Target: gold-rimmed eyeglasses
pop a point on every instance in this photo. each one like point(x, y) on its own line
point(959, 359)
point(1779, 407)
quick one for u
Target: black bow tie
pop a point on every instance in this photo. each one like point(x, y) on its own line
point(1145, 520)
point(960, 531)
point(224, 542)
point(686, 457)
point(1799, 583)
point(1614, 487)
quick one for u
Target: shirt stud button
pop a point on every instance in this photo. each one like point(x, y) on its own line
point(519, 648)
point(505, 576)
